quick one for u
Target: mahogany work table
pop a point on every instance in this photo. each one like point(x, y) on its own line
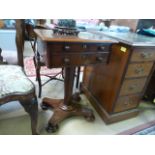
point(70, 52)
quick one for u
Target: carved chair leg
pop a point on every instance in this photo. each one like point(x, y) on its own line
point(35, 64)
point(39, 80)
point(31, 107)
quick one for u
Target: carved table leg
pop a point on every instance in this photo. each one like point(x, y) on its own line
point(67, 107)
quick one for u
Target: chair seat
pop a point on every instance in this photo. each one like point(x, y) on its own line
point(13, 81)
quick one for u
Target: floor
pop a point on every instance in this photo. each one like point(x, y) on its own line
point(14, 121)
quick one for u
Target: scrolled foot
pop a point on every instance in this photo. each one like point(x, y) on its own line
point(52, 128)
point(90, 118)
point(88, 114)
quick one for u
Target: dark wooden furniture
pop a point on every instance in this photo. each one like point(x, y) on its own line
point(14, 85)
point(115, 89)
point(70, 52)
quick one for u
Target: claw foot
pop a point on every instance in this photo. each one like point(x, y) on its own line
point(52, 128)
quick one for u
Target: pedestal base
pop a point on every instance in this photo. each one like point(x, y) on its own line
point(62, 111)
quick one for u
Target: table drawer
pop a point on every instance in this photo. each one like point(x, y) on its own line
point(143, 55)
point(139, 69)
point(76, 59)
point(126, 103)
point(75, 47)
point(132, 86)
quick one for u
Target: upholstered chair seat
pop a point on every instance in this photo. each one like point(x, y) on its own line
point(13, 81)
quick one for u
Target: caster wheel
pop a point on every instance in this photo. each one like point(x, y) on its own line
point(52, 128)
point(44, 106)
point(90, 118)
point(76, 97)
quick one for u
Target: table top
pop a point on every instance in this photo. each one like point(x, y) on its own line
point(130, 38)
point(49, 36)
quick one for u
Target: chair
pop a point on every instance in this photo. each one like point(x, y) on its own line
point(14, 84)
point(38, 58)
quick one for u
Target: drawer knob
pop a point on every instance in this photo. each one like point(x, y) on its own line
point(146, 55)
point(132, 87)
point(66, 60)
point(67, 47)
point(101, 48)
point(127, 103)
point(139, 70)
point(85, 46)
point(84, 57)
point(99, 59)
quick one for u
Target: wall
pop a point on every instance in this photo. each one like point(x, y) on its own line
point(7, 39)
point(132, 23)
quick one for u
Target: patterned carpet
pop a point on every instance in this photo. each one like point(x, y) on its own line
point(148, 131)
point(30, 68)
point(144, 129)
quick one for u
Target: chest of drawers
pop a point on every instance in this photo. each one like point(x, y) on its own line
point(115, 89)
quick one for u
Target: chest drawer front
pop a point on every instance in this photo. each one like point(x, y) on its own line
point(126, 103)
point(74, 59)
point(77, 47)
point(143, 55)
point(132, 86)
point(139, 69)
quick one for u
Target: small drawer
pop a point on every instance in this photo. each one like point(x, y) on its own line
point(139, 69)
point(76, 47)
point(64, 47)
point(76, 59)
point(143, 55)
point(126, 103)
point(132, 86)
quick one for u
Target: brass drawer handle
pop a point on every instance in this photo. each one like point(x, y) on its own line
point(67, 47)
point(66, 60)
point(127, 103)
point(139, 70)
point(132, 87)
point(101, 48)
point(146, 55)
point(99, 59)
